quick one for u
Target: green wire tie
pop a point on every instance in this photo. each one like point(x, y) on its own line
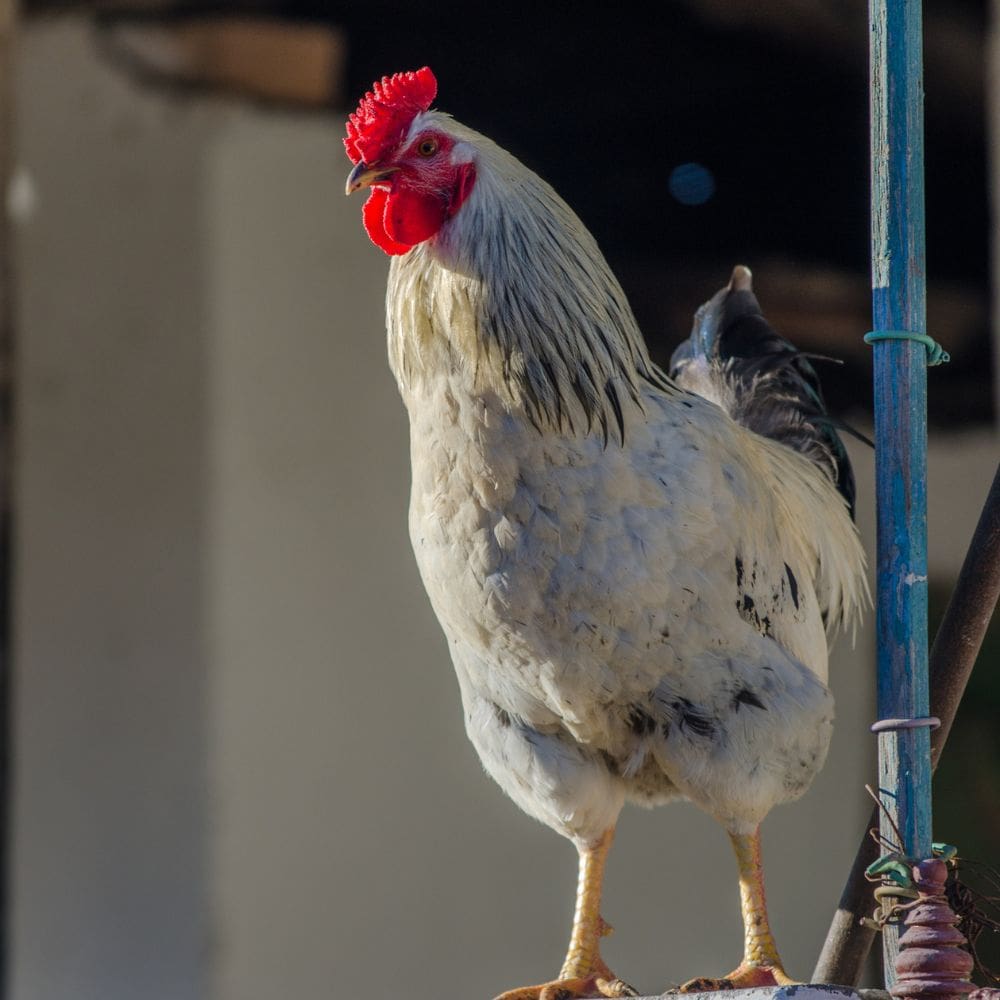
point(936, 354)
point(896, 868)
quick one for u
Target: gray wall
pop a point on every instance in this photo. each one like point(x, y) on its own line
point(110, 719)
point(241, 769)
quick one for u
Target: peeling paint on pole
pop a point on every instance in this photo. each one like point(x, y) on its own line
point(878, 92)
point(898, 304)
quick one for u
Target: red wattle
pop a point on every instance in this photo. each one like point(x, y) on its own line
point(397, 220)
point(412, 217)
point(373, 215)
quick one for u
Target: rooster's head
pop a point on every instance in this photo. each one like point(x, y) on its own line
point(418, 174)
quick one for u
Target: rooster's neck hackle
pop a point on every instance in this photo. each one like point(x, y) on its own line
point(514, 295)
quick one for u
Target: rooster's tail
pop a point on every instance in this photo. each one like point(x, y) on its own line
point(736, 359)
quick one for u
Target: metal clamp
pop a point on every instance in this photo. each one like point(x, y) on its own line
point(893, 725)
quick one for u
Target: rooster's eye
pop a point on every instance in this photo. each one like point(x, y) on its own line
point(428, 147)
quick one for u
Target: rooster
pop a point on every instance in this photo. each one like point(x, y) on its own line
point(636, 573)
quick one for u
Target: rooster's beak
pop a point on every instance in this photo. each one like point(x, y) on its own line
point(363, 176)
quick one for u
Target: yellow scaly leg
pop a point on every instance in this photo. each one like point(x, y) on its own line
point(761, 965)
point(584, 973)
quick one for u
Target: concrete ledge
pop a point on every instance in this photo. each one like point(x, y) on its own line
point(802, 991)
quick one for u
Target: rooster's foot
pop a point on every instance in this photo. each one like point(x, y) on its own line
point(743, 977)
point(602, 983)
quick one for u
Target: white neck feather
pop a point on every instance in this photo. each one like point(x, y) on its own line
point(515, 293)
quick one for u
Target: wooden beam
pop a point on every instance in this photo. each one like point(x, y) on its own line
point(263, 58)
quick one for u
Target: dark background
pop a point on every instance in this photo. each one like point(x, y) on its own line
point(771, 98)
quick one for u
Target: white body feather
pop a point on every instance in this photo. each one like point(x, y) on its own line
point(633, 586)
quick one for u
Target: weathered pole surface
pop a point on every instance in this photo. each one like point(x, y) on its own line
point(898, 306)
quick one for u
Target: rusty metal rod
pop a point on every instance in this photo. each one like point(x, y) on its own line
point(952, 657)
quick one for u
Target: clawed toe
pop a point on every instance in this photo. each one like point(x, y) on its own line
point(743, 977)
point(616, 988)
point(704, 984)
point(572, 989)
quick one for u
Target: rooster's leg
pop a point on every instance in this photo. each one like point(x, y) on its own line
point(761, 965)
point(584, 973)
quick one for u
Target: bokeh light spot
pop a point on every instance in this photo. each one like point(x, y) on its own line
point(691, 183)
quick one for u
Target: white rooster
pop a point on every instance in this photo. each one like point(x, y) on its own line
point(636, 574)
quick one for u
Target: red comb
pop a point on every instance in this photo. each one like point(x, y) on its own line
point(386, 112)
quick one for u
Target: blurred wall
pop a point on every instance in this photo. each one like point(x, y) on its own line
point(241, 767)
point(110, 841)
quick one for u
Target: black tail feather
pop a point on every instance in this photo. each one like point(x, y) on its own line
point(736, 358)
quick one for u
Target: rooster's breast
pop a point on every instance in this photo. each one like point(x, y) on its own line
point(576, 570)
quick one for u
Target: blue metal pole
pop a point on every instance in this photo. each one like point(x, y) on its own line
point(898, 304)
